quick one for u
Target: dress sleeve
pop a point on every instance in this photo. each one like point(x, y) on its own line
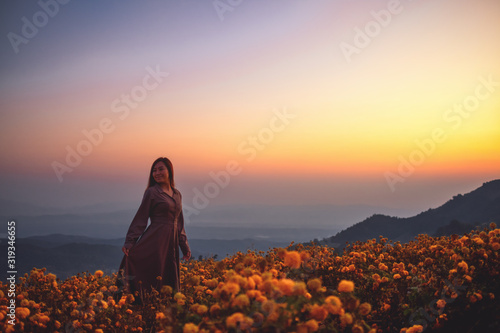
point(183, 242)
point(140, 221)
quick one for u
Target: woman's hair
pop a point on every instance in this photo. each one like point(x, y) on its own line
point(170, 168)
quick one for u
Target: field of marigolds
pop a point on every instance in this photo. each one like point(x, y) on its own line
point(445, 284)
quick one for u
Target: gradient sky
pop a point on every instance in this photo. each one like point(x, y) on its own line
point(356, 118)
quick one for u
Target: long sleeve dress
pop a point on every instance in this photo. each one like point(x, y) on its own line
point(156, 253)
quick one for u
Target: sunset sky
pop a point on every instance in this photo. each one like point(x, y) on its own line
point(386, 103)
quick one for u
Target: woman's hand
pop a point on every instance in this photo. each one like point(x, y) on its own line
point(125, 250)
point(187, 256)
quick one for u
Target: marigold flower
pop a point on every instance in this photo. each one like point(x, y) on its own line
point(190, 328)
point(357, 329)
point(314, 285)
point(241, 301)
point(22, 312)
point(299, 288)
point(396, 276)
point(238, 320)
point(312, 325)
point(215, 309)
point(463, 265)
point(160, 316)
point(98, 273)
point(201, 310)
point(292, 259)
point(441, 303)
point(415, 329)
point(346, 286)
point(318, 312)
point(232, 288)
point(286, 286)
point(365, 309)
point(346, 319)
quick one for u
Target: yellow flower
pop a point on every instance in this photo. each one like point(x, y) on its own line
point(292, 259)
point(190, 328)
point(346, 286)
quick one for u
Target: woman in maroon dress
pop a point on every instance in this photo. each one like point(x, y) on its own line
point(154, 251)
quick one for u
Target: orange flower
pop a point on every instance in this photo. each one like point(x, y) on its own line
point(292, 259)
point(22, 312)
point(241, 301)
point(441, 303)
point(346, 319)
point(365, 309)
point(98, 273)
point(318, 312)
point(312, 325)
point(286, 286)
point(314, 285)
point(190, 328)
point(238, 320)
point(346, 286)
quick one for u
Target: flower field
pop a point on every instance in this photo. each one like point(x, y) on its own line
point(430, 284)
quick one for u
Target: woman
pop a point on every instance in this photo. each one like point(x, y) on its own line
point(154, 251)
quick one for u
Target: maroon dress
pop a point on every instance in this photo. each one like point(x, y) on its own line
point(156, 253)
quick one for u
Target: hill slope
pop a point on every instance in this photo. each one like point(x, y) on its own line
point(477, 207)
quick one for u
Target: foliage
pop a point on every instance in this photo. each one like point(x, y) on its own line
point(374, 286)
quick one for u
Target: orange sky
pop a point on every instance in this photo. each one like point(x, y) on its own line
point(429, 78)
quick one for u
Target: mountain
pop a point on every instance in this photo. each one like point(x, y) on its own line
point(474, 208)
point(67, 255)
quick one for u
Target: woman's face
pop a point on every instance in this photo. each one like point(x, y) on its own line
point(160, 173)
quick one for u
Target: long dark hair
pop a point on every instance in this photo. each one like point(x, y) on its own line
point(170, 168)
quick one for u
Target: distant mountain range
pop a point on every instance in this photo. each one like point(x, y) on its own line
point(67, 255)
point(462, 212)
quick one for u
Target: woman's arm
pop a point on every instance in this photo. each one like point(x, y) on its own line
point(139, 222)
point(183, 242)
